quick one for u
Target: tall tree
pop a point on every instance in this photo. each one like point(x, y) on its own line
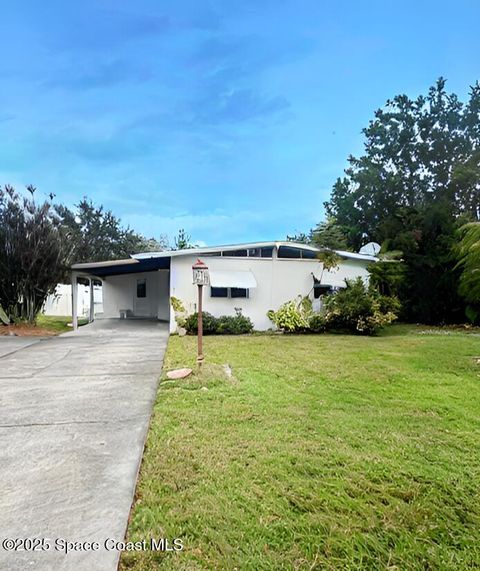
point(97, 234)
point(34, 252)
point(416, 182)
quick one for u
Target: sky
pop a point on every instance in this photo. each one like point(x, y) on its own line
point(230, 119)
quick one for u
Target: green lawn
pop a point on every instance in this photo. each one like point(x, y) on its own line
point(57, 324)
point(322, 452)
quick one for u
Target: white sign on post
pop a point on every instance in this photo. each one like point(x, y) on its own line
point(200, 273)
point(200, 277)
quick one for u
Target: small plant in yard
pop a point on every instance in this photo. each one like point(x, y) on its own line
point(209, 323)
point(293, 316)
point(224, 325)
point(317, 323)
point(179, 310)
point(234, 325)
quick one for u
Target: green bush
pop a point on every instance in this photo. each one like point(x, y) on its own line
point(317, 323)
point(358, 309)
point(355, 309)
point(209, 323)
point(225, 325)
point(234, 325)
point(292, 316)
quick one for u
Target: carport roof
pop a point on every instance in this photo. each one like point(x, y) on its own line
point(127, 266)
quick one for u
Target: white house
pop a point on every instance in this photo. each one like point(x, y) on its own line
point(253, 277)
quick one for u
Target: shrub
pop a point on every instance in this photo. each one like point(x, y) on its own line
point(234, 325)
point(225, 325)
point(317, 323)
point(209, 323)
point(292, 316)
point(358, 309)
point(177, 304)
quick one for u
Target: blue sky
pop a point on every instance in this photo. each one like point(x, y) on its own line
point(231, 119)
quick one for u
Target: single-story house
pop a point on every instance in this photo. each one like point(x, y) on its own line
point(253, 277)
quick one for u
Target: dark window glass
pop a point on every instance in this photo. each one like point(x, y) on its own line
point(289, 252)
point(309, 255)
point(238, 292)
point(266, 252)
point(239, 253)
point(141, 288)
point(319, 290)
point(218, 292)
point(213, 254)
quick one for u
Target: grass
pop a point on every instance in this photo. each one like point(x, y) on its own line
point(54, 323)
point(45, 325)
point(322, 452)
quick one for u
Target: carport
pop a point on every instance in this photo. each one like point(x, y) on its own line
point(132, 288)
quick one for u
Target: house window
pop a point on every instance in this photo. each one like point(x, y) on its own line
point(142, 288)
point(219, 291)
point(238, 292)
point(296, 253)
point(237, 253)
point(233, 292)
point(265, 252)
point(289, 252)
point(309, 255)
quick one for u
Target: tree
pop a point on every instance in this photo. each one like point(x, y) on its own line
point(300, 238)
point(417, 153)
point(35, 251)
point(329, 234)
point(330, 261)
point(387, 275)
point(467, 252)
point(97, 234)
point(182, 240)
point(417, 181)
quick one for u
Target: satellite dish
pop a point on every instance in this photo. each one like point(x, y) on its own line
point(371, 249)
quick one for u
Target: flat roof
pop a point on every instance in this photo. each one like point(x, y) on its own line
point(148, 261)
point(246, 246)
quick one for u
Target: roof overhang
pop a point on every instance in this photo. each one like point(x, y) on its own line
point(150, 261)
point(117, 267)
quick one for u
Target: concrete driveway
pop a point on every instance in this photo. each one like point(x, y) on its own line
point(74, 413)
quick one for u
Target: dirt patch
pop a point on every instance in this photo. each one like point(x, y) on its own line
point(26, 331)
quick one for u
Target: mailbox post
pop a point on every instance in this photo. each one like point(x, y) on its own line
point(200, 278)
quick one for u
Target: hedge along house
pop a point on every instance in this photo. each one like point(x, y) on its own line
point(252, 278)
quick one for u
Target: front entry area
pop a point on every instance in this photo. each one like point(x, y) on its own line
point(141, 295)
point(131, 288)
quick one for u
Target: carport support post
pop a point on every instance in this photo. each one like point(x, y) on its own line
point(74, 301)
point(91, 315)
point(200, 327)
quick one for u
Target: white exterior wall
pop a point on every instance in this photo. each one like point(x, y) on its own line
point(278, 281)
point(120, 293)
point(60, 302)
